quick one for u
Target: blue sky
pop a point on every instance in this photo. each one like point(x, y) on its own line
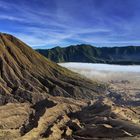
point(49, 23)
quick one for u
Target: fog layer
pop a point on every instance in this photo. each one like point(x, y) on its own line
point(105, 72)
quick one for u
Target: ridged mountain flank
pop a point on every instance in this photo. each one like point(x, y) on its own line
point(91, 54)
point(27, 76)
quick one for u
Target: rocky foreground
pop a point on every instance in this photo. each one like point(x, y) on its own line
point(66, 118)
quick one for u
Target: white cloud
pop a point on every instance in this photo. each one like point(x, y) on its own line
point(101, 67)
point(12, 18)
point(104, 72)
point(40, 26)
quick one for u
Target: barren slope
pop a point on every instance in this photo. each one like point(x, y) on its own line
point(25, 75)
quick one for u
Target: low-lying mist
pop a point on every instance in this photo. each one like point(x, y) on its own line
point(105, 72)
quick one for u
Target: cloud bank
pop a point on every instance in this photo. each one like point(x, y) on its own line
point(104, 72)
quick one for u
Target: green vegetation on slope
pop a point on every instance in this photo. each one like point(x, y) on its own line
point(87, 53)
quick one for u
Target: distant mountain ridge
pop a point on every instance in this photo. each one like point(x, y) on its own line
point(90, 54)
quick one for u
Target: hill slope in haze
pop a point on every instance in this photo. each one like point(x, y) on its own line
point(91, 54)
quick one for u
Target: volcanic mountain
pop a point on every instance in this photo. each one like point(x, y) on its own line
point(40, 100)
point(91, 54)
point(25, 75)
